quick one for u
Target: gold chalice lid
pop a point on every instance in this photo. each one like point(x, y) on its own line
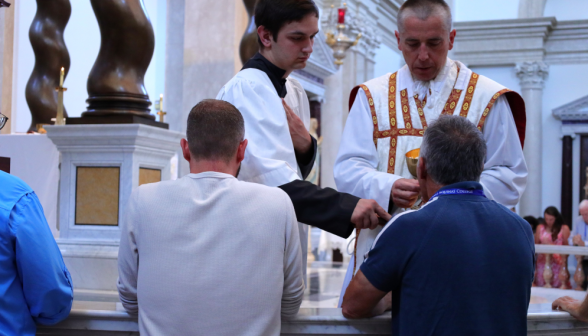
point(412, 159)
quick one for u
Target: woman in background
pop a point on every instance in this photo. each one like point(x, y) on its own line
point(553, 232)
point(532, 221)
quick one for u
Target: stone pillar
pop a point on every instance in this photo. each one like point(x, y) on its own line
point(566, 179)
point(202, 55)
point(331, 126)
point(532, 76)
point(531, 8)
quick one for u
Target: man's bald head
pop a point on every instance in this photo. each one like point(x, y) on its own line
point(423, 9)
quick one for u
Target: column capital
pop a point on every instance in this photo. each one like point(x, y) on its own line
point(532, 74)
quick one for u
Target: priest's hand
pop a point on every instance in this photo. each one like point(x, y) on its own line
point(405, 192)
point(368, 215)
point(300, 136)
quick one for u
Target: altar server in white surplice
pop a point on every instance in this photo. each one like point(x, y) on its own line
point(390, 114)
point(218, 256)
point(281, 152)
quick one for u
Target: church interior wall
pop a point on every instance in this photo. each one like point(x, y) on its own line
point(566, 83)
point(387, 60)
point(468, 10)
point(567, 9)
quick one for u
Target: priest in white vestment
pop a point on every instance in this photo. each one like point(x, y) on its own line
point(281, 152)
point(390, 114)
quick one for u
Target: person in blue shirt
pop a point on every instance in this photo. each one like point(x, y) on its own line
point(35, 285)
point(462, 264)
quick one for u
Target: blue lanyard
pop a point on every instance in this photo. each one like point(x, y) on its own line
point(475, 192)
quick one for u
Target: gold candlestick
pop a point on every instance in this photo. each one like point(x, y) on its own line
point(59, 120)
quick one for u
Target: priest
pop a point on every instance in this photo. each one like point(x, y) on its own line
point(281, 152)
point(390, 114)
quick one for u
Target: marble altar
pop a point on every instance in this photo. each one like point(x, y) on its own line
point(91, 206)
point(99, 313)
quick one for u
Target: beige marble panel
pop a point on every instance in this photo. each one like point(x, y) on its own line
point(97, 195)
point(147, 175)
point(6, 63)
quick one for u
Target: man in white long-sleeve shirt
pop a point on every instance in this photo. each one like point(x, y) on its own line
point(390, 114)
point(218, 256)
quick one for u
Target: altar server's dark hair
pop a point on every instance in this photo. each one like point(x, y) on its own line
point(454, 149)
point(215, 129)
point(275, 14)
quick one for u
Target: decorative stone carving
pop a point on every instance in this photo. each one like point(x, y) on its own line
point(115, 84)
point(249, 47)
point(547, 272)
point(532, 74)
point(574, 111)
point(564, 274)
point(46, 35)
point(579, 276)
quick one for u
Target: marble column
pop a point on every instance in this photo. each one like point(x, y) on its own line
point(331, 126)
point(531, 8)
point(532, 76)
point(202, 55)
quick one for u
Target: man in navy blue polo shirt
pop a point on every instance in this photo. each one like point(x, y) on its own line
point(462, 264)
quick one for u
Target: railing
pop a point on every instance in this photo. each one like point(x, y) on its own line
point(578, 251)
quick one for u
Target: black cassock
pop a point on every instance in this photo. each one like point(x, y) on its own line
point(324, 208)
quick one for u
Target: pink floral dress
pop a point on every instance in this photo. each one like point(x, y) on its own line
point(556, 259)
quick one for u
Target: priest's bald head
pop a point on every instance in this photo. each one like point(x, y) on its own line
point(215, 138)
point(425, 36)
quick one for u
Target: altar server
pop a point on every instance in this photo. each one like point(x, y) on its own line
point(389, 115)
point(276, 110)
point(218, 256)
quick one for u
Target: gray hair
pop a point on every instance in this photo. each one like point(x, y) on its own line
point(423, 9)
point(215, 130)
point(454, 150)
point(583, 204)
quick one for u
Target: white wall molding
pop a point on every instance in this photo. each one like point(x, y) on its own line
point(507, 42)
point(573, 112)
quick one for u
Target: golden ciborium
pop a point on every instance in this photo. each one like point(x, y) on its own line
point(412, 160)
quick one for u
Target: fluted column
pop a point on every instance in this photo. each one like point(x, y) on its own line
point(249, 46)
point(532, 76)
point(46, 35)
point(116, 82)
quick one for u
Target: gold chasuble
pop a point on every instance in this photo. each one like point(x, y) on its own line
point(400, 120)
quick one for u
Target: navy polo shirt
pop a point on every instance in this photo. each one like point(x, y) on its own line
point(461, 265)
